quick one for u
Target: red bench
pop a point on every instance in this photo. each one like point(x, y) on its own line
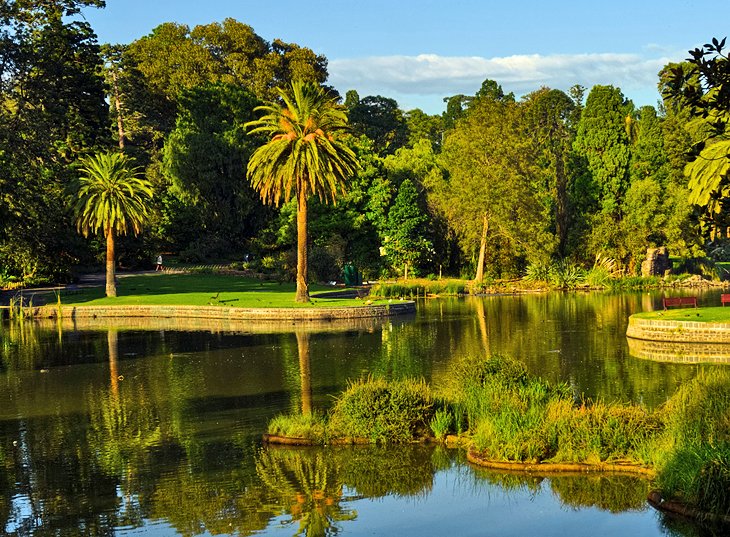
point(680, 301)
point(724, 299)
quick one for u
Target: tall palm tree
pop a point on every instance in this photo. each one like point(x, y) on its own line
point(303, 157)
point(111, 199)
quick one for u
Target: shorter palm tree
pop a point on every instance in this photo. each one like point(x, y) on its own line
point(111, 199)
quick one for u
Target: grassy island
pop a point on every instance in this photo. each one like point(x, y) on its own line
point(504, 415)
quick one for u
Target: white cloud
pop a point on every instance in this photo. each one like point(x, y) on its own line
point(430, 76)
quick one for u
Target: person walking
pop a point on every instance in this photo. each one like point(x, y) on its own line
point(159, 263)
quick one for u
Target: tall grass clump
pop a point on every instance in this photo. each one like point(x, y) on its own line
point(418, 289)
point(699, 476)
point(597, 432)
point(505, 409)
point(699, 413)
point(441, 423)
point(383, 411)
point(309, 426)
point(695, 465)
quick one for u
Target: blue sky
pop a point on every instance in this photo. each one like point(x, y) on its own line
point(420, 51)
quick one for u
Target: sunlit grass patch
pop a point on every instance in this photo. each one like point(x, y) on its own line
point(207, 290)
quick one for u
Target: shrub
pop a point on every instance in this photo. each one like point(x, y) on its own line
point(565, 275)
point(537, 272)
point(382, 411)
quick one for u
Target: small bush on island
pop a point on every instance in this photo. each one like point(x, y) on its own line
point(383, 411)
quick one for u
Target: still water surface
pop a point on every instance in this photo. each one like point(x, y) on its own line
point(155, 429)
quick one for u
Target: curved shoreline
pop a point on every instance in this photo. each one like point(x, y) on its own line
point(559, 467)
point(222, 313)
point(677, 331)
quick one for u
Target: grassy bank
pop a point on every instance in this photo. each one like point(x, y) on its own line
point(507, 415)
point(706, 315)
point(203, 290)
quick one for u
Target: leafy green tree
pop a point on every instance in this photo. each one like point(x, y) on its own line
point(422, 126)
point(492, 90)
point(704, 87)
point(407, 243)
point(603, 139)
point(550, 116)
point(487, 195)
point(174, 57)
point(205, 157)
point(303, 157)
point(456, 107)
point(111, 200)
point(380, 119)
point(51, 110)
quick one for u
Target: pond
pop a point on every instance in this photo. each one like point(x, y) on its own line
point(155, 427)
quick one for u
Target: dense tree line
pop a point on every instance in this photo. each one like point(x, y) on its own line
point(490, 187)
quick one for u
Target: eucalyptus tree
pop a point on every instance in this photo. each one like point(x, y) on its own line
point(304, 156)
point(487, 194)
point(112, 200)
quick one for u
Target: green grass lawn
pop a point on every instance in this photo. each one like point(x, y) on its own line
point(707, 315)
point(204, 290)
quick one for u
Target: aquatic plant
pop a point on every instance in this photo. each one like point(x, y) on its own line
point(441, 423)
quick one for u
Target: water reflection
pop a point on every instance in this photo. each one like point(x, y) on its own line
point(680, 353)
point(116, 427)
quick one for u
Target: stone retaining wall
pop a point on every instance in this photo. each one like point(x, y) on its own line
point(225, 313)
point(678, 331)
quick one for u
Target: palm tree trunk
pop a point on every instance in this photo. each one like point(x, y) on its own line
point(111, 284)
point(482, 250)
point(302, 291)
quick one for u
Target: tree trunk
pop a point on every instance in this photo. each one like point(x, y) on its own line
point(111, 284)
point(482, 250)
point(302, 291)
point(118, 106)
point(305, 372)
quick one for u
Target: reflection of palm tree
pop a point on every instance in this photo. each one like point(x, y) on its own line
point(305, 372)
point(112, 338)
point(310, 484)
